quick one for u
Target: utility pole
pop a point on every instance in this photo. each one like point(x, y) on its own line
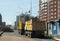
point(31, 7)
point(30, 11)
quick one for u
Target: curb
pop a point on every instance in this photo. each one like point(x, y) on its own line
point(56, 38)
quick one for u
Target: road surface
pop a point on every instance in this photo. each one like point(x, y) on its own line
point(16, 37)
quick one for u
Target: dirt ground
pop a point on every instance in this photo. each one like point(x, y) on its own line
point(14, 38)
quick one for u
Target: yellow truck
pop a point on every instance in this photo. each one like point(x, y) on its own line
point(21, 28)
point(35, 28)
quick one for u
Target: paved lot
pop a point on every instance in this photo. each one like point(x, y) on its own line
point(16, 37)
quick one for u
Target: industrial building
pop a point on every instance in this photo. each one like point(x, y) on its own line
point(22, 17)
point(49, 12)
point(15, 27)
point(16, 22)
point(0, 20)
point(3, 23)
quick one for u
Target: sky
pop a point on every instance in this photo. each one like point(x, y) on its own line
point(11, 8)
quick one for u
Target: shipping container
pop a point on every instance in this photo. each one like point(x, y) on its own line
point(35, 28)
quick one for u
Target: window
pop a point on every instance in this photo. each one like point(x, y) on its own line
point(45, 13)
point(51, 6)
point(54, 26)
point(55, 2)
point(55, 9)
point(45, 10)
point(54, 5)
point(51, 2)
point(51, 9)
point(54, 16)
point(51, 16)
point(42, 7)
point(54, 13)
point(46, 4)
point(51, 13)
point(44, 16)
point(44, 19)
point(45, 7)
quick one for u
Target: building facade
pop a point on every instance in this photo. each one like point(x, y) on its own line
point(43, 11)
point(49, 11)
